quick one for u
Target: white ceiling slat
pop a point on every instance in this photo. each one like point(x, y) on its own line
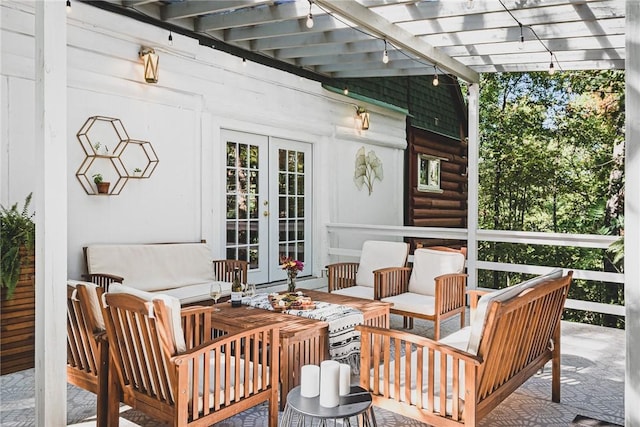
point(252, 16)
point(291, 27)
point(562, 57)
point(189, 9)
point(310, 39)
point(402, 39)
point(364, 46)
point(617, 64)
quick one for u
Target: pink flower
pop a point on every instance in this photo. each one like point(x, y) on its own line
point(292, 266)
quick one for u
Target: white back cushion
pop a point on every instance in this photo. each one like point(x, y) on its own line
point(153, 267)
point(479, 316)
point(94, 302)
point(378, 254)
point(429, 264)
point(172, 305)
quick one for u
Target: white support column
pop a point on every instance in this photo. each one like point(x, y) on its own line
point(473, 183)
point(632, 216)
point(51, 212)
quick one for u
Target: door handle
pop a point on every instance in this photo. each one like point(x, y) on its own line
point(265, 213)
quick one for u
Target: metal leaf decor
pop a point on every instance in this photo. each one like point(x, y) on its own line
point(368, 168)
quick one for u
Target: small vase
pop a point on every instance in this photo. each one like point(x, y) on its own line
point(291, 285)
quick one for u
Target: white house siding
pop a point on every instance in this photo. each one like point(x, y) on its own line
point(200, 91)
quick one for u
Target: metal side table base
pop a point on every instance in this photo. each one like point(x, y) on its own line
point(304, 411)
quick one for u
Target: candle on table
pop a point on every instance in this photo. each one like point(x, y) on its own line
point(345, 379)
point(329, 383)
point(310, 381)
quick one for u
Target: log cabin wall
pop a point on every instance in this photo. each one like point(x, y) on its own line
point(445, 208)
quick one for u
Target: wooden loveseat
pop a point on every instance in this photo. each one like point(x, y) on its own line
point(458, 380)
point(181, 270)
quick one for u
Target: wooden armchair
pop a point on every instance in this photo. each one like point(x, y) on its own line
point(463, 377)
point(434, 289)
point(87, 346)
point(358, 279)
point(183, 370)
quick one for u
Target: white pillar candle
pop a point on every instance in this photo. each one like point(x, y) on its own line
point(345, 379)
point(329, 383)
point(310, 381)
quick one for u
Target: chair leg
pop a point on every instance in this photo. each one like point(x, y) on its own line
point(462, 319)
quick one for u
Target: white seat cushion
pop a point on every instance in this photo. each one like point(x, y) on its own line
point(153, 267)
point(479, 315)
point(365, 292)
point(172, 305)
point(429, 264)
point(379, 254)
point(414, 303)
point(94, 303)
point(189, 294)
point(459, 339)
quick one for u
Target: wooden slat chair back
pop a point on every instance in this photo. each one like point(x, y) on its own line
point(458, 387)
point(212, 380)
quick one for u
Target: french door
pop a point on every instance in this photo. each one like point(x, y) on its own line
point(268, 203)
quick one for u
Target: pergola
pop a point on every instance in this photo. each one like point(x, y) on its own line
point(348, 39)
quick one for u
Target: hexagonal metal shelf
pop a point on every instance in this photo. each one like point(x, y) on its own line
point(95, 137)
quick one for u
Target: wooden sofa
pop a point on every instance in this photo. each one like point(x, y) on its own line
point(514, 332)
point(182, 270)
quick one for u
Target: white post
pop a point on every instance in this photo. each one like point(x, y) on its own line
point(473, 183)
point(632, 216)
point(51, 212)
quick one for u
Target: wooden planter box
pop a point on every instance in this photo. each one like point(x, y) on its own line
point(18, 320)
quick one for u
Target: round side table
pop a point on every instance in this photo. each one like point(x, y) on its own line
point(356, 404)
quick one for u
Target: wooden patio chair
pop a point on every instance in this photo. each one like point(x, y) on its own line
point(87, 346)
point(184, 370)
point(358, 279)
point(433, 289)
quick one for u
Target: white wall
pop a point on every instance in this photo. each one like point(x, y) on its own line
point(200, 92)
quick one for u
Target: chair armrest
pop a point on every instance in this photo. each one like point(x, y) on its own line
point(378, 365)
point(252, 353)
point(474, 296)
point(391, 281)
point(102, 279)
point(450, 292)
point(341, 275)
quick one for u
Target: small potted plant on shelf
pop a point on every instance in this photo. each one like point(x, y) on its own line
point(101, 185)
point(103, 152)
point(137, 172)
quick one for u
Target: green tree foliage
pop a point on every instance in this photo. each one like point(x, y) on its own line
point(552, 161)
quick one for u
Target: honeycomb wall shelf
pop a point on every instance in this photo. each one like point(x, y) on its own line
point(96, 135)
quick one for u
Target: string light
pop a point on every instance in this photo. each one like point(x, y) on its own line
point(521, 34)
point(435, 81)
point(68, 6)
point(346, 90)
point(551, 69)
point(244, 62)
point(170, 39)
point(385, 54)
point(310, 17)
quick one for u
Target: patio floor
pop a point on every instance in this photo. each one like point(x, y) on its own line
point(592, 385)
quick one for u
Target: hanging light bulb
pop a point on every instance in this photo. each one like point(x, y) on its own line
point(521, 33)
point(385, 54)
point(552, 70)
point(469, 4)
point(244, 62)
point(346, 90)
point(435, 81)
point(68, 6)
point(310, 17)
point(170, 39)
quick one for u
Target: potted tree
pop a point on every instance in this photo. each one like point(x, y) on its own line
point(17, 286)
point(101, 185)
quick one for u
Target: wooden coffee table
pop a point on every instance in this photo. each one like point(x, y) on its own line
point(303, 341)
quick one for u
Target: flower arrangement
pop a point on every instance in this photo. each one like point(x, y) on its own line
point(291, 266)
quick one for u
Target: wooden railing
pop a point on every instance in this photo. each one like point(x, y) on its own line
point(340, 232)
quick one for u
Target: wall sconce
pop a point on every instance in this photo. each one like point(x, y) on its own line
point(150, 59)
point(363, 116)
